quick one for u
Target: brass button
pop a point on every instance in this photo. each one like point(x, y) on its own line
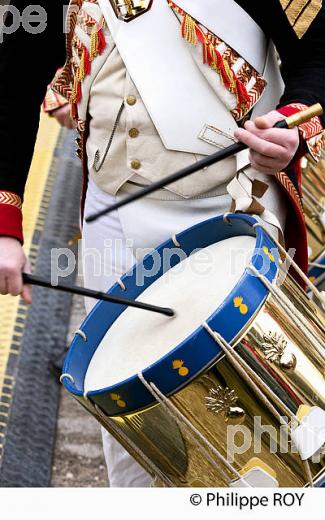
point(134, 132)
point(135, 165)
point(131, 100)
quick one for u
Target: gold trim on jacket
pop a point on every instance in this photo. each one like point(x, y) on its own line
point(301, 13)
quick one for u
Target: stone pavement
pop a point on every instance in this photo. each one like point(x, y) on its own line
point(78, 457)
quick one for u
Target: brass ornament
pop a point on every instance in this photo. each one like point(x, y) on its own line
point(273, 348)
point(223, 401)
point(288, 362)
point(127, 10)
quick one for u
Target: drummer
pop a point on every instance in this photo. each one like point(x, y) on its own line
point(200, 86)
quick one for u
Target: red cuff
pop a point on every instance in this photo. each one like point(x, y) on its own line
point(53, 101)
point(11, 218)
point(289, 110)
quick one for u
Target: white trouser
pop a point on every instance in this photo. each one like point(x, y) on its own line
point(110, 248)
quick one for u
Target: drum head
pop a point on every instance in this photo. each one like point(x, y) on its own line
point(205, 279)
point(194, 289)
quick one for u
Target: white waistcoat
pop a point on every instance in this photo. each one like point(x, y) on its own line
point(170, 83)
point(189, 109)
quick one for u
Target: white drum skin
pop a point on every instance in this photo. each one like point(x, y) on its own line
point(195, 288)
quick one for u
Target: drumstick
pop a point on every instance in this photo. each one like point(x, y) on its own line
point(74, 289)
point(290, 122)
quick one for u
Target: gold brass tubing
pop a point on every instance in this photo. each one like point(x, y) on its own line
point(141, 456)
point(118, 433)
point(159, 396)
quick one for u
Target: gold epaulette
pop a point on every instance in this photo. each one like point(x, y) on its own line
point(301, 13)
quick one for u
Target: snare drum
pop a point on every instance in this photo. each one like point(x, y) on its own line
point(313, 188)
point(230, 391)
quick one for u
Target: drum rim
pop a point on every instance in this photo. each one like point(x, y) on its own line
point(132, 388)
